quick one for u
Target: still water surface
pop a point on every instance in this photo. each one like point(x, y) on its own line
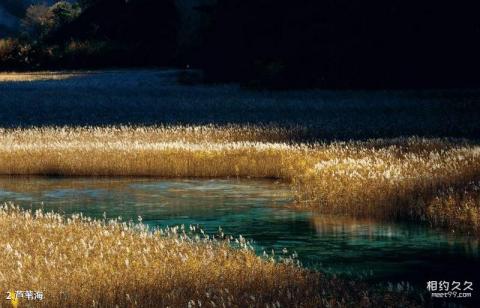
point(258, 210)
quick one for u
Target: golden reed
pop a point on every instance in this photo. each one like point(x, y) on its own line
point(433, 180)
point(80, 262)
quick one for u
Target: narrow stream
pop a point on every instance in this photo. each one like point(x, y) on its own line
point(258, 210)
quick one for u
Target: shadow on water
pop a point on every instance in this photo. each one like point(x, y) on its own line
point(153, 97)
point(258, 210)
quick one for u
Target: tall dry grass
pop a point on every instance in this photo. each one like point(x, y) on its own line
point(414, 178)
point(166, 152)
point(429, 180)
point(79, 262)
point(37, 76)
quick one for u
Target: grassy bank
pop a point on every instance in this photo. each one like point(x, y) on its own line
point(79, 262)
point(432, 180)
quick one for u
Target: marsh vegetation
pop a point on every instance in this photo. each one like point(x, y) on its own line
point(434, 180)
point(125, 264)
point(399, 156)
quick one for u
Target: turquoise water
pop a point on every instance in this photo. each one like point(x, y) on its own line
point(259, 210)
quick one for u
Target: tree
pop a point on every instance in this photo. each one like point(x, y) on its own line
point(41, 20)
point(343, 43)
point(61, 13)
point(86, 3)
point(35, 24)
point(147, 29)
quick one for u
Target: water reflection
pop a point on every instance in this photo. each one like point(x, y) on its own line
point(258, 211)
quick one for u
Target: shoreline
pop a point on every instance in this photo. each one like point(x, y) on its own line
point(124, 264)
point(432, 180)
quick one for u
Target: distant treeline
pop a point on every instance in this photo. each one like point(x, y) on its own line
point(94, 33)
point(344, 43)
point(270, 43)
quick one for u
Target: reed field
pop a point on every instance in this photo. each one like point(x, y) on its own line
point(36, 76)
point(79, 262)
point(375, 155)
point(431, 180)
point(154, 97)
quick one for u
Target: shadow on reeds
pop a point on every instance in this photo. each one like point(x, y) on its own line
point(153, 97)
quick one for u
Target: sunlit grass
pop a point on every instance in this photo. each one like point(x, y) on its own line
point(79, 262)
point(433, 180)
point(428, 180)
point(37, 76)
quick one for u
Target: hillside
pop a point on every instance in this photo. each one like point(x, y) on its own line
point(11, 11)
